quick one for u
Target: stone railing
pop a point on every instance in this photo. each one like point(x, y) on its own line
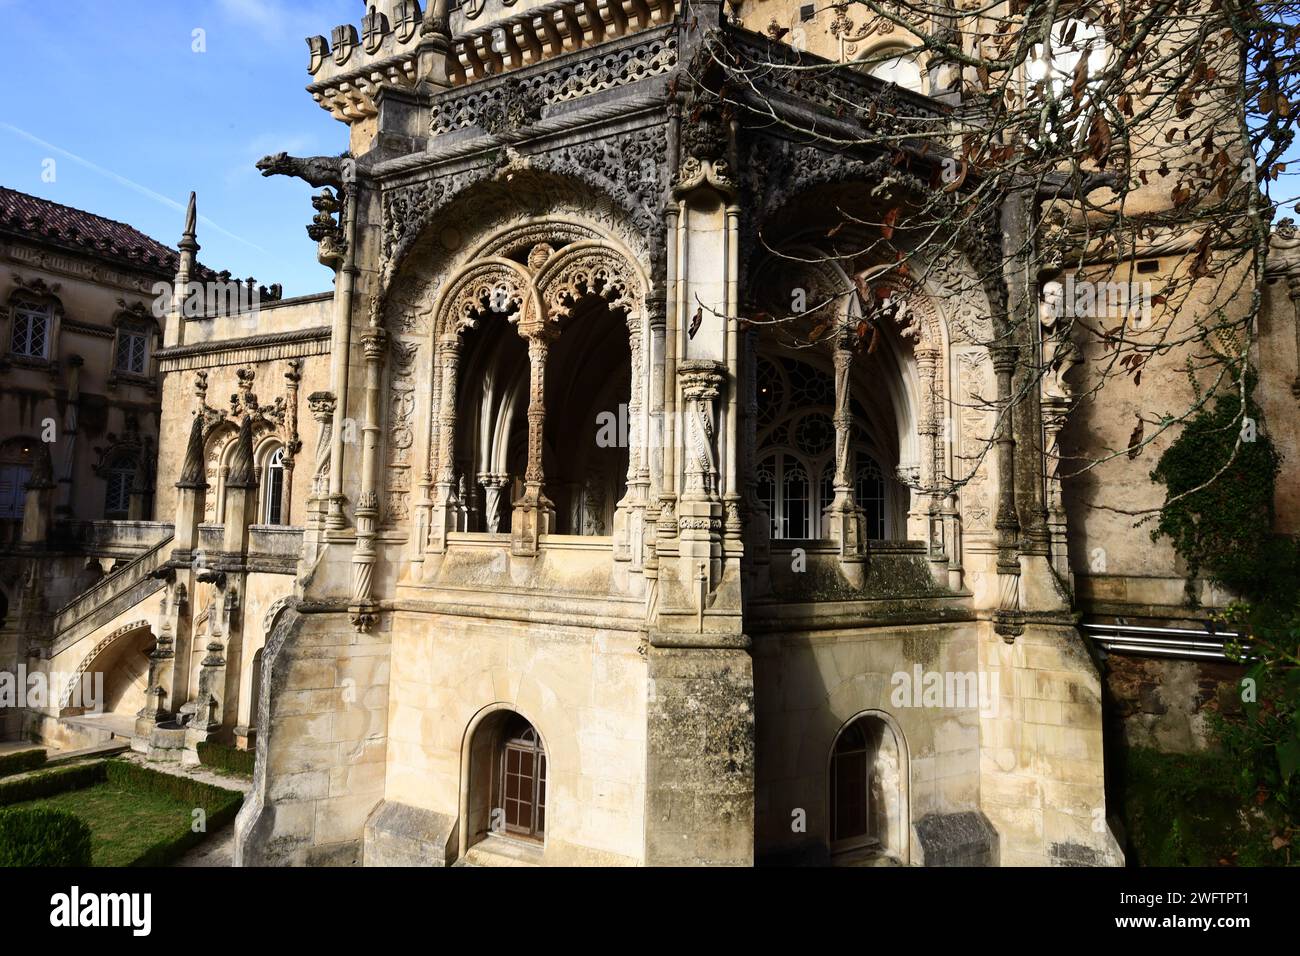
point(109, 587)
point(549, 31)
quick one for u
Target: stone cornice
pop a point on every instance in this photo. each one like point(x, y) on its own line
point(252, 348)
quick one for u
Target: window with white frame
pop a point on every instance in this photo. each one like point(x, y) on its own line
point(32, 326)
point(273, 488)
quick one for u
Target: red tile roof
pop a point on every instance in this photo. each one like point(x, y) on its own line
point(52, 223)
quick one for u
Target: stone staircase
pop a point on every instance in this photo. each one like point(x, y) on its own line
point(113, 594)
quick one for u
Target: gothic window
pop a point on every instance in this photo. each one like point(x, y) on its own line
point(869, 492)
point(796, 466)
point(120, 478)
point(32, 327)
point(796, 499)
point(521, 780)
point(273, 488)
point(132, 354)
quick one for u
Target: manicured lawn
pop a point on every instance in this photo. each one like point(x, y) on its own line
point(123, 823)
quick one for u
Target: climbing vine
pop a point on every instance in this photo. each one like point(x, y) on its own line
point(1219, 476)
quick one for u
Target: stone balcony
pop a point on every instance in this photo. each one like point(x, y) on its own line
point(487, 38)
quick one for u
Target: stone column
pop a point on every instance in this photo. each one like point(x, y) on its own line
point(1056, 409)
point(492, 484)
point(159, 696)
point(1008, 619)
point(844, 519)
point(929, 503)
point(37, 503)
point(700, 506)
point(321, 405)
point(191, 495)
point(292, 376)
point(534, 514)
point(630, 511)
point(362, 608)
point(241, 492)
point(443, 516)
point(1293, 291)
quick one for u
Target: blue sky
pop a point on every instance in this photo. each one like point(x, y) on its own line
point(117, 84)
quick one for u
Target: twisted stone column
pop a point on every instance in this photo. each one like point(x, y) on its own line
point(843, 517)
point(534, 514)
point(443, 517)
point(1008, 618)
point(362, 608)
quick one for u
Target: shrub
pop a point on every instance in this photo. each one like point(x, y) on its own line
point(40, 836)
point(50, 782)
point(21, 762)
point(224, 757)
point(218, 804)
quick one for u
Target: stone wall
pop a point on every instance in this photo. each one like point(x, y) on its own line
point(583, 689)
point(1165, 704)
point(1041, 754)
point(321, 739)
point(809, 686)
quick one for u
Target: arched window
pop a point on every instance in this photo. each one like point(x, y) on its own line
point(521, 780)
point(32, 328)
point(796, 468)
point(850, 786)
point(15, 472)
point(867, 783)
point(120, 479)
point(897, 65)
point(869, 491)
point(273, 488)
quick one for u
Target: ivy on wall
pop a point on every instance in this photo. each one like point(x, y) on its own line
point(1219, 477)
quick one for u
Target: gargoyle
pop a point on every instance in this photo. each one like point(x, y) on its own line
point(318, 171)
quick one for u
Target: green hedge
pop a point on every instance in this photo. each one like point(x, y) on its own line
point(219, 805)
point(21, 762)
point(225, 757)
point(41, 836)
point(50, 782)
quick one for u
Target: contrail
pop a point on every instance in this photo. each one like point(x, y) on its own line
point(130, 184)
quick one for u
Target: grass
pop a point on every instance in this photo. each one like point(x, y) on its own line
point(123, 823)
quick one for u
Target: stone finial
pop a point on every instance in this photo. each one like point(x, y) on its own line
point(193, 472)
point(189, 238)
point(242, 472)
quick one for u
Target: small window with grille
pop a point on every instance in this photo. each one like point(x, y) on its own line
point(132, 351)
point(120, 478)
point(30, 336)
